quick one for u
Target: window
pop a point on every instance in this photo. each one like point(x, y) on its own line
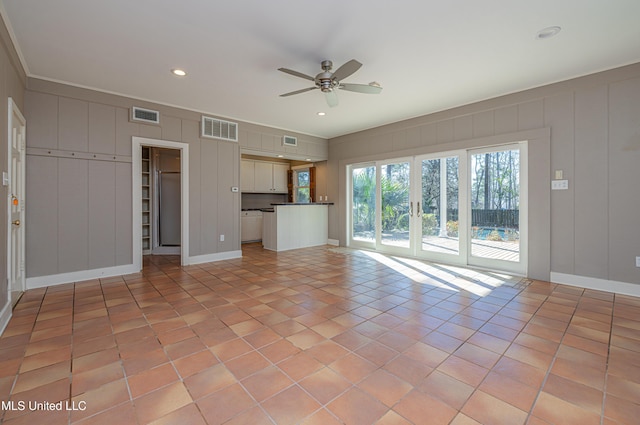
point(302, 185)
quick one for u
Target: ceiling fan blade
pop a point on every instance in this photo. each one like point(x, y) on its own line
point(296, 73)
point(298, 91)
point(347, 69)
point(331, 98)
point(361, 88)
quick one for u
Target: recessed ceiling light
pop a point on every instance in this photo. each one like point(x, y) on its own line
point(178, 72)
point(280, 156)
point(308, 159)
point(548, 32)
point(321, 114)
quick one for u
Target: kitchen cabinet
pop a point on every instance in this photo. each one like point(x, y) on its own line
point(247, 176)
point(250, 226)
point(280, 177)
point(263, 176)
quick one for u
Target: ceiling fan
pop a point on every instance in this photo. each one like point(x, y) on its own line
point(328, 81)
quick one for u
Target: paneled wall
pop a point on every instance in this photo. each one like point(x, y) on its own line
point(594, 123)
point(79, 183)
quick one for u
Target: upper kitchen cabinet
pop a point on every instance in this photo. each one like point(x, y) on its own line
point(263, 176)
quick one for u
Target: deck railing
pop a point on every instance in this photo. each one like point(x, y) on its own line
point(490, 218)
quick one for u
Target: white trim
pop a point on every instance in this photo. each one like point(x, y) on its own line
point(13, 110)
point(521, 266)
point(210, 258)
point(333, 242)
point(136, 167)
point(5, 316)
point(79, 276)
point(622, 288)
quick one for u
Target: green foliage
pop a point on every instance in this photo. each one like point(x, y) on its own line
point(452, 228)
point(364, 202)
point(429, 224)
point(395, 209)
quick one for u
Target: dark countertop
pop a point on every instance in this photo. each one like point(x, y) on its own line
point(265, 209)
point(301, 203)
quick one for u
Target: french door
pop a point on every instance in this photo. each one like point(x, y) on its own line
point(461, 207)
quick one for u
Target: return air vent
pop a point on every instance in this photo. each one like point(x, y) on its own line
point(145, 115)
point(289, 141)
point(219, 129)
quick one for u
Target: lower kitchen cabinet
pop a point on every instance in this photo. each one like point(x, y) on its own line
point(250, 226)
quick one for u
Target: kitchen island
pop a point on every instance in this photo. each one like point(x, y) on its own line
point(295, 225)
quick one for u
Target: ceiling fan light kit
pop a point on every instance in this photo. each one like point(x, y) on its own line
point(328, 81)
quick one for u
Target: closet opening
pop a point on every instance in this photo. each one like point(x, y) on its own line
point(161, 194)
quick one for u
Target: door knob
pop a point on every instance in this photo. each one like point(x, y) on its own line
point(16, 222)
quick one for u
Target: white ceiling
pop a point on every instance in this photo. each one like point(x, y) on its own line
point(428, 55)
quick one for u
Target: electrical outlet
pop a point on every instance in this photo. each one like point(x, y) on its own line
point(637, 261)
point(221, 238)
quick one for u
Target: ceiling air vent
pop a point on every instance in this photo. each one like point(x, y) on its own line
point(145, 115)
point(219, 129)
point(289, 141)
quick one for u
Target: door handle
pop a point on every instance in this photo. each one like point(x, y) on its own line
point(418, 213)
point(411, 209)
point(16, 222)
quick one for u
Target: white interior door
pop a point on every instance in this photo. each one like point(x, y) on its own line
point(16, 202)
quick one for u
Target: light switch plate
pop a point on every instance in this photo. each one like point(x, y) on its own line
point(637, 261)
point(559, 184)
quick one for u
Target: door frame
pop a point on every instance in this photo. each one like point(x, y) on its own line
point(351, 242)
point(14, 112)
point(389, 248)
point(136, 167)
point(461, 258)
point(521, 267)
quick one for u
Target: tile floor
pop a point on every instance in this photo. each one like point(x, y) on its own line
point(320, 336)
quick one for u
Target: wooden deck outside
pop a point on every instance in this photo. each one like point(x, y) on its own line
point(497, 250)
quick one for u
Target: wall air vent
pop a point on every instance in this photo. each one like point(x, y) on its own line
point(219, 129)
point(145, 115)
point(289, 141)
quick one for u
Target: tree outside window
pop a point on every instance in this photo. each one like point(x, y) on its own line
point(302, 186)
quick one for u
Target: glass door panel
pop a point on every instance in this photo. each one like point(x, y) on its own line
point(439, 206)
point(495, 205)
point(363, 204)
point(396, 211)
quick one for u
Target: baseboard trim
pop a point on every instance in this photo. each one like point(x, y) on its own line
point(622, 288)
point(79, 276)
point(5, 316)
point(333, 242)
point(210, 258)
